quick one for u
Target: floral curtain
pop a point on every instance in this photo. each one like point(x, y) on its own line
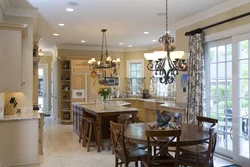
point(196, 78)
point(172, 89)
point(139, 85)
point(153, 86)
point(129, 86)
point(157, 88)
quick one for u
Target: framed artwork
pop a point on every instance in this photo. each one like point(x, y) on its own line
point(184, 82)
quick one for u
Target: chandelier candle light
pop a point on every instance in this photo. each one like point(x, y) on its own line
point(175, 59)
point(105, 65)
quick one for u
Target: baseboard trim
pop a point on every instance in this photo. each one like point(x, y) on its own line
point(27, 165)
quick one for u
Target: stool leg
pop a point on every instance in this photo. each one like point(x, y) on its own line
point(110, 142)
point(85, 129)
point(81, 131)
point(102, 142)
point(89, 137)
point(95, 134)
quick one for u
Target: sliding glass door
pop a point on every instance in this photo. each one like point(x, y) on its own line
point(228, 96)
point(241, 50)
point(219, 81)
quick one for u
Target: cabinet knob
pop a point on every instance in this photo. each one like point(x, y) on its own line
point(22, 83)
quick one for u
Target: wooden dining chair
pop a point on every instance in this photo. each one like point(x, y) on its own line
point(200, 148)
point(125, 120)
point(206, 120)
point(122, 153)
point(163, 139)
point(204, 159)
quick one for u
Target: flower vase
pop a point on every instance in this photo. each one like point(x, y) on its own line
point(104, 99)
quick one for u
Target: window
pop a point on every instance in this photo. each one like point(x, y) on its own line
point(159, 89)
point(135, 71)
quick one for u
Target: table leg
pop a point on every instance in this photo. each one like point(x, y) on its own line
point(134, 118)
point(99, 132)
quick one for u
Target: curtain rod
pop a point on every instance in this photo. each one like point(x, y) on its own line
point(199, 30)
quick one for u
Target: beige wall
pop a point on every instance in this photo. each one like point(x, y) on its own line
point(182, 40)
point(1, 14)
point(24, 98)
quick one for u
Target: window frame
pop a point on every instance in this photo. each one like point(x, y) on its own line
point(129, 62)
point(132, 62)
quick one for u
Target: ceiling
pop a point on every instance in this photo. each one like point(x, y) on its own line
point(126, 20)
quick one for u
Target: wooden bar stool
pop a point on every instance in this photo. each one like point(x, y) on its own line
point(89, 133)
point(81, 129)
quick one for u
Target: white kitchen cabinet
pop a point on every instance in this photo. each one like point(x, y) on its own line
point(11, 37)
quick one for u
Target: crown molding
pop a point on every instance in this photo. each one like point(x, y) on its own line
point(143, 48)
point(221, 8)
point(114, 49)
point(18, 27)
point(87, 47)
point(11, 11)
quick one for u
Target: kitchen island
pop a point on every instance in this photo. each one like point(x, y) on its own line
point(19, 139)
point(102, 112)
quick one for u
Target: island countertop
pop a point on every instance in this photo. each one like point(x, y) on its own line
point(27, 115)
point(108, 107)
point(114, 103)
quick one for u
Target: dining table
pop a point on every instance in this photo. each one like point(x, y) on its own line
point(190, 134)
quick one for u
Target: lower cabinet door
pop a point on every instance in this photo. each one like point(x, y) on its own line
point(150, 115)
point(141, 114)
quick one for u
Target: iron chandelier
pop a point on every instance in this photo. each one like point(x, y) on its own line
point(175, 59)
point(106, 65)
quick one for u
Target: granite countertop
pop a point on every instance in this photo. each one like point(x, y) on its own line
point(27, 115)
point(173, 105)
point(117, 103)
point(108, 107)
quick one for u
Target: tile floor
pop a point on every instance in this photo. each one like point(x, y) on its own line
point(61, 149)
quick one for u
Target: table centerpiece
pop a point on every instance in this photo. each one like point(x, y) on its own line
point(163, 122)
point(104, 92)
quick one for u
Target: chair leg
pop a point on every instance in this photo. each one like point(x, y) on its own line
point(116, 162)
point(136, 163)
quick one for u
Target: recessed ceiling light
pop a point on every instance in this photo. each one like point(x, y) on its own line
point(154, 40)
point(83, 41)
point(146, 32)
point(69, 9)
point(61, 24)
point(55, 34)
point(120, 43)
point(72, 3)
point(130, 46)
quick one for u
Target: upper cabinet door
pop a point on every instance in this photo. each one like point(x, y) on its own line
point(11, 57)
point(78, 81)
